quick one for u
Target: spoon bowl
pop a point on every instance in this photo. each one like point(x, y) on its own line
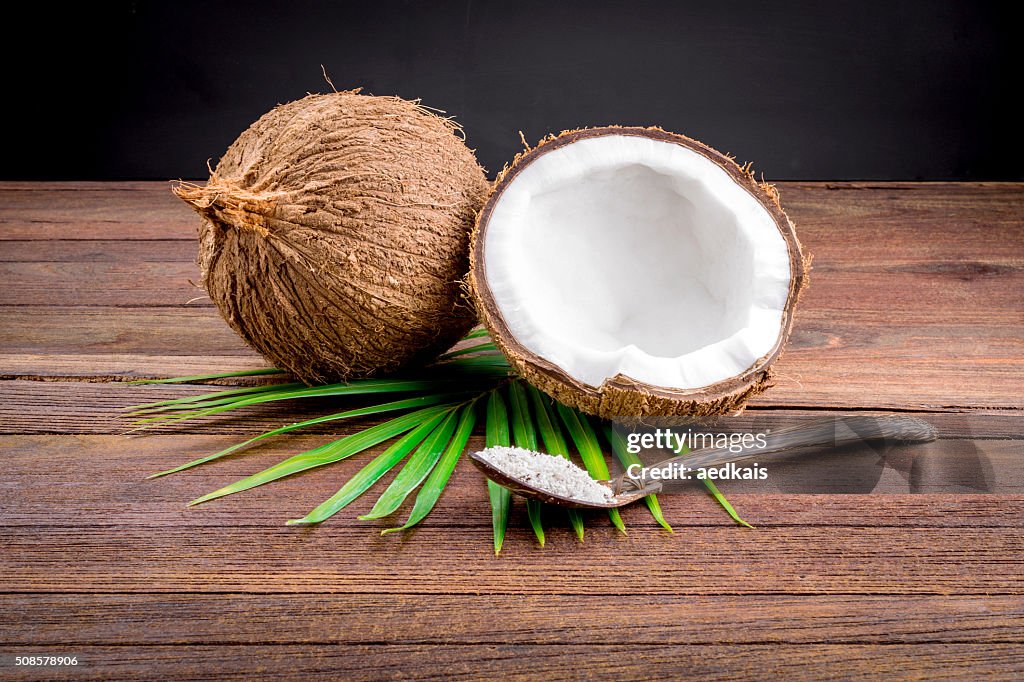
point(525, 489)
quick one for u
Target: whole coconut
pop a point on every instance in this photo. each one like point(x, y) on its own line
point(335, 234)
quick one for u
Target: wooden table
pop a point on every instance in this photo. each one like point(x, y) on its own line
point(916, 303)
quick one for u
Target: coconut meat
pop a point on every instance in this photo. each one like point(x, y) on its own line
point(626, 255)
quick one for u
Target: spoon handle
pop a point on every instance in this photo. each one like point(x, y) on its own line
point(822, 433)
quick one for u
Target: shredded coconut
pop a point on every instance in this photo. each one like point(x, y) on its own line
point(550, 473)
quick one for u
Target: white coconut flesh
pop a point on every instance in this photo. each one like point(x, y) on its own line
point(627, 255)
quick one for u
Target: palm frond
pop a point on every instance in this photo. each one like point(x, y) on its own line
point(329, 453)
point(370, 474)
point(442, 398)
point(442, 471)
point(525, 437)
point(415, 470)
point(555, 444)
point(497, 433)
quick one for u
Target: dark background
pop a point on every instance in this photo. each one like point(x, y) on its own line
point(806, 90)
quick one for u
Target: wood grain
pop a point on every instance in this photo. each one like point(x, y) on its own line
point(376, 661)
point(915, 299)
point(444, 560)
point(916, 303)
point(49, 490)
point(98, 407)
point(652, 620)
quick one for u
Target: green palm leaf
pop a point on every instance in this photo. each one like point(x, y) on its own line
point(415, 470)
point(713, 489)
point(525, 437)
point(370, 474)
point(409, 403)
point(436, 433)
point(554, 443)
point(228, 395)
point(329, 453)
point(438, 478)
point(590, 451)
point(364, 387)
point(501, 498)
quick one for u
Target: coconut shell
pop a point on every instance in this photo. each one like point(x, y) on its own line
point(335, 235)
point(622, 396)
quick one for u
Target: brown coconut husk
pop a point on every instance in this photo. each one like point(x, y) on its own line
point(335, 234)
point(622, 396)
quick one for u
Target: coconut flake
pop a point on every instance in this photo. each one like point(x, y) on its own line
point(551, 474)
point(623, 255)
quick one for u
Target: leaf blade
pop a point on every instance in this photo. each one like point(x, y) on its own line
point(415, 470)
point(583, 436)
point(555, 444)
point(627, 458)
point(211, 377)
point(717, 494)
point(327, 454)
point(438, 478)
point(497, 433)
point(525, 437)
point(369, 474)
point(409, 403)
point(190, 401)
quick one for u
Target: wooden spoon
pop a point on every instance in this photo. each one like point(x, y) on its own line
point(821, 433)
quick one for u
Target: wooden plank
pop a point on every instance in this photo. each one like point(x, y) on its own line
point(801, 381)
point(449, 560)
point(834, 359)
point(899, 223)
point(948, 283)
point(121, 211)
point(541, 662)
point(148, 210)
point(52, 620)
point(98, 251)
point(100, 283)
point(126, 332)
point(101, 481)
point(77, 407)
point(938, 291)
point(95, 342)
point(121, 366)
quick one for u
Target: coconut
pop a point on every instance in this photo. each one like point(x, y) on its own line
point(335, 234)
point(632, 272)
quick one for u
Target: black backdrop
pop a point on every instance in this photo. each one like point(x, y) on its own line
point(806, 90)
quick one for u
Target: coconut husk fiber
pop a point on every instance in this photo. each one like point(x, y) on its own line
point(335, 234)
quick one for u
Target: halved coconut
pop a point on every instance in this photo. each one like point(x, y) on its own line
point(634, 272)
